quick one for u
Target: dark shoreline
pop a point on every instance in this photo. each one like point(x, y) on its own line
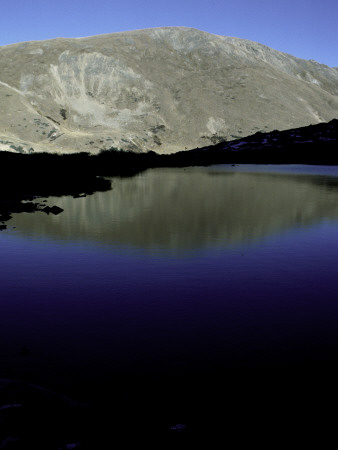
point(27, 177)
point(237, 407)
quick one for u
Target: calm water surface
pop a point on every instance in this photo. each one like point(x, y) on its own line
point(175, 272)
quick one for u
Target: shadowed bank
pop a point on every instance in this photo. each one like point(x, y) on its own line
point(25, 176)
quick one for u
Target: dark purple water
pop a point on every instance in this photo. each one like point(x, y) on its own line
point(174, 272)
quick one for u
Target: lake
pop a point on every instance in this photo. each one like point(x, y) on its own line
point(174, 272)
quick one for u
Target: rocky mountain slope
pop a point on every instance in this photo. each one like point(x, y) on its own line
point(163, 89)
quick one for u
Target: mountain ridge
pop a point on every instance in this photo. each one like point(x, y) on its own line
point(160, 89)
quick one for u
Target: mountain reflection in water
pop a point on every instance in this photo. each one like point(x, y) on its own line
point(174, 272)
point(176, 210)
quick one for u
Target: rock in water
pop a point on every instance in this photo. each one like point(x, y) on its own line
point(162, 89)
point(52, 210)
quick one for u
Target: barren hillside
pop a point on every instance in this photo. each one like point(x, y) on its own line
point(162, 89)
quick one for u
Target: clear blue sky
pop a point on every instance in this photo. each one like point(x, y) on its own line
point(304, 28)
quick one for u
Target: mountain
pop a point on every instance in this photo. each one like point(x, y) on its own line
point(162, 89)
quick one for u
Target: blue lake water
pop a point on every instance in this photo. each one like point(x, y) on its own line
point(175, 272)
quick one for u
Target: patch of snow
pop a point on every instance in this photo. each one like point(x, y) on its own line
point(238, 145)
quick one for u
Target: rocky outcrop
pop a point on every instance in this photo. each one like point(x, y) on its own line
point(164, 89)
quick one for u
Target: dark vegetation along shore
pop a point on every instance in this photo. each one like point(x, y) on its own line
point(28, 177)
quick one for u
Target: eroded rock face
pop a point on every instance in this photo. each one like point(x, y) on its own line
point(163, 89)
